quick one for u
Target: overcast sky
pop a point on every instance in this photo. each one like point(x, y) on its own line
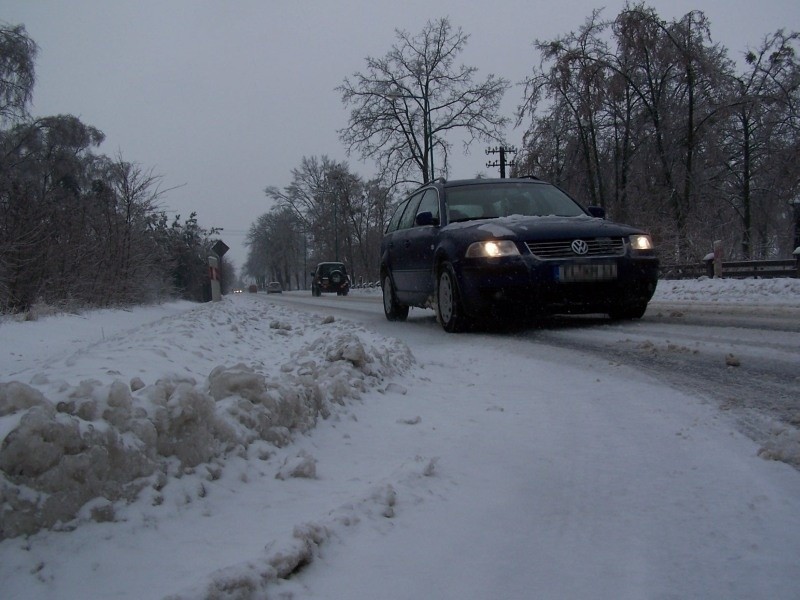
point(224, 98)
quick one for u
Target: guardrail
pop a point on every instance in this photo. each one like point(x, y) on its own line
point(765, 269)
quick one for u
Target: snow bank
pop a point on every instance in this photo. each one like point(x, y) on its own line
point(102, 439)
point(781, 291)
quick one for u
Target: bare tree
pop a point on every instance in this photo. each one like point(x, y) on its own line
point(761, 144)
point(405, 104)
point(129, 250)
point(576, 84)
point(17, 73)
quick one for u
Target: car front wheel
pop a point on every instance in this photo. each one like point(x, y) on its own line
point(391, 307)
point(449, 309)
point(625, 313)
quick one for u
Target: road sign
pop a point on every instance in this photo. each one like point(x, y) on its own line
point(220, 248)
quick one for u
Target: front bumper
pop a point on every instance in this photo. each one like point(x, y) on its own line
point(533, 285)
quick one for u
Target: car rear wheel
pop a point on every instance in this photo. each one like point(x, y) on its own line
point(449, 309)
point(391, 307)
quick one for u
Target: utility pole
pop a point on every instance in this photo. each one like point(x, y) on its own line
point(502, 162)
point(336, 228)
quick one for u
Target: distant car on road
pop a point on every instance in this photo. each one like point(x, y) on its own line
point(252, 288)
point(330, 277)
point(499, 248)
point(274, 287)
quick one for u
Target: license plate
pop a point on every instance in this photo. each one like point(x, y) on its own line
point(583, 273)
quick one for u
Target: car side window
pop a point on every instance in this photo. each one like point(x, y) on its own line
point(429, 203)
point(393, 224)
point(410, 213)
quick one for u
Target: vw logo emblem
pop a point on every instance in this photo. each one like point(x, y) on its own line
point(580, 247)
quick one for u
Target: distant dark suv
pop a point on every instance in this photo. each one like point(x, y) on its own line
point(478, 248)
point(330, 277)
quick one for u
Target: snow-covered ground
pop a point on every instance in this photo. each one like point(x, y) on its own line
point(730, 291)
point(243, 449)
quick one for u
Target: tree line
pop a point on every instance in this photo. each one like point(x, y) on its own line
point(647, 118)
point(654, 121)
point(78, 227)
point(326, 213)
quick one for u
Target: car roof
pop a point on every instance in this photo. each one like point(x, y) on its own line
point(493, 180)
point(441, 182)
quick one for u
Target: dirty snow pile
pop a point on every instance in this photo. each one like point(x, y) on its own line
point(137, 409)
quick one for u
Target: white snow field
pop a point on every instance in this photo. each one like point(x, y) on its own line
point(245, 449)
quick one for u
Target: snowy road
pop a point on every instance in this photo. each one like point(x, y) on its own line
point(607, 485)
point(742, 358)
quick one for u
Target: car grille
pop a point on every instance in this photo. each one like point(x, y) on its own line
point(563, 248)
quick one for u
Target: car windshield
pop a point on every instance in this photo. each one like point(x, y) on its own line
point(494, 200)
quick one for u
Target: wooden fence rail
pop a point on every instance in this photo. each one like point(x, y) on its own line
point(766, 269)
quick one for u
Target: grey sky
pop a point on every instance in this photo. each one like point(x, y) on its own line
point(224, 98)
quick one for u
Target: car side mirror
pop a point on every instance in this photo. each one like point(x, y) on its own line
point(597, 211)
point(425, 218)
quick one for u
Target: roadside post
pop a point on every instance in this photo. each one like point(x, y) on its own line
point(219, 248)
point(718, 259)
point(795, 204)
point(213, 274)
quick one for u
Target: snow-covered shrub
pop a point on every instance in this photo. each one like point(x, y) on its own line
point(39, 310)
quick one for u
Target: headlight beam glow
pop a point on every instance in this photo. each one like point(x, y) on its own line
point(492, 249)
point(641, 242)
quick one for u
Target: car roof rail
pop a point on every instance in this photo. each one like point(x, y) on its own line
point(528, 177)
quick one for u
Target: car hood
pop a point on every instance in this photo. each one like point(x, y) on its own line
point(541, 228)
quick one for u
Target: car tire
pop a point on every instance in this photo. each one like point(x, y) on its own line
point(449, 308)
point(315, 291)
point(628, 313)
point(391, 307)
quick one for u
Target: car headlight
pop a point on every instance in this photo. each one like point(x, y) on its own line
point(641, 242)
point(492, 249)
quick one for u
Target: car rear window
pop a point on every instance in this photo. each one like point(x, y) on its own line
point(325, 270)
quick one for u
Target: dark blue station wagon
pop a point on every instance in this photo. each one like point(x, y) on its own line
point(488, 248)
